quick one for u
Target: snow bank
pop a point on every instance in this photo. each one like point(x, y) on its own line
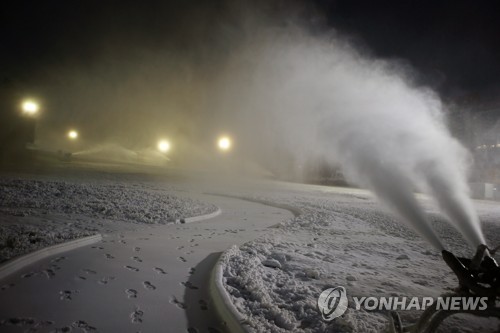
point(16, 240)
point(38, 213)
point(120, 201)
point(343, 240)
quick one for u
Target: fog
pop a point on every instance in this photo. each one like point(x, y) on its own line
point(288, 94)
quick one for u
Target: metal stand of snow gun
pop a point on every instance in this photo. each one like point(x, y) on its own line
point(477, 277)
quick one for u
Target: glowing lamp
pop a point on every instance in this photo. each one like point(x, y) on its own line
point(29, 107)
point(73, 135)
point(224, 143)
point(163, 146)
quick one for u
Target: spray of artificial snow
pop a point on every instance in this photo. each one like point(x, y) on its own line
point(321, 97)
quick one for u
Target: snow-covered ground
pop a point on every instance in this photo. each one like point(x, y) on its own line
point(344, 238)
point(37, 212)
point(151, 279)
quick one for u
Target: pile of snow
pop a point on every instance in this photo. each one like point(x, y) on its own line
point(349, 241)
point(16, 240)
point(38, 213)
point(22, 197)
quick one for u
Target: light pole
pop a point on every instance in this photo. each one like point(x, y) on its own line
point(30, 110)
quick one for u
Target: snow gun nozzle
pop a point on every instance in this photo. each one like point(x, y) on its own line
point(475, 274)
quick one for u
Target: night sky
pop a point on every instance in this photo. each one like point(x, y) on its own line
point(453, 45)
point(106, 66)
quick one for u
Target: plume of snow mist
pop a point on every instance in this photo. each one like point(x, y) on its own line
point(319, 97)
point(457, 206)
point(395, 189)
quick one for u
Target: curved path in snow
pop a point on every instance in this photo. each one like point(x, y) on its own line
point(154, 279)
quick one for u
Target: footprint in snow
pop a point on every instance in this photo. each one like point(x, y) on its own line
point(89, 271)
point(160, 270)
point(55, 267)
point(28, 275)
point(106, 279)
point(132, 268)
point(182, 259)
point(179, 304)
point(109, 256)
point(148, 285)
point(137, 259)
point(67, 295)
point(49, 273)
point(136, 316)
point(83, 326)
point(137, 249)
point(7, 286)
point(189, 285)
point(131, 293)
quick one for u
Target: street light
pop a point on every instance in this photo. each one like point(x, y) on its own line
point(73, 135)
point(30, 107)
point(163, 146)
point(224, 143)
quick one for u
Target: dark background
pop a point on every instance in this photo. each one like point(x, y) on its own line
point(112, 67)
point(453, 44)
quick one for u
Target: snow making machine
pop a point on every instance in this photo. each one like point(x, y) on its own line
point(477, 277)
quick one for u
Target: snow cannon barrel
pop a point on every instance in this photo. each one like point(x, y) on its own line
point(483, 261)
point(481, 253)
point(465, 277)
